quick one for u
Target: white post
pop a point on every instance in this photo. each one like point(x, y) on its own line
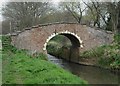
point(10, 27)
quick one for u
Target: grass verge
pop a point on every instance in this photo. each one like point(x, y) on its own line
point(21, 68)
point(108, 56)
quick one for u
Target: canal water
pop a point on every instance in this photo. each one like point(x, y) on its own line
point(93, 75)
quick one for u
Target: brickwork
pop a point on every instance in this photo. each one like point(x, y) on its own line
point(35, 38)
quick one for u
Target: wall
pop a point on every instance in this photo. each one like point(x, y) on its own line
point(35, 38)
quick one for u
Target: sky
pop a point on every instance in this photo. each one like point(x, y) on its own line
point(0, 8)
point(2, 3)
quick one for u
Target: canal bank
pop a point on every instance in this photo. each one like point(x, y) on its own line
point(18, 67)
point(92, 74)
point(105, 56)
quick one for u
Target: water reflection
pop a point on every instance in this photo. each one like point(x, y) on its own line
point(91, 74)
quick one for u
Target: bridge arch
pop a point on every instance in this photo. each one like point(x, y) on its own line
point(74, 38)
point(73, 52)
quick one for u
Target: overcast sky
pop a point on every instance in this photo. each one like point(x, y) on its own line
point(2, 3)
point(0, 8)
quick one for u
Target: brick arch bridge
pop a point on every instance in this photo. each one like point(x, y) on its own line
point(82, 37)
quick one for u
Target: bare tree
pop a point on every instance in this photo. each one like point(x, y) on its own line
point(94, 7)
point(24, 14)
point(75, 9)
point(113, 9)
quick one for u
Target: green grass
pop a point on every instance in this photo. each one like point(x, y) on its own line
point(108, 55)
point(21, 68)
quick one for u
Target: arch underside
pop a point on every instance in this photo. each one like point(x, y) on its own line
point(75, 42)
point(74, 38)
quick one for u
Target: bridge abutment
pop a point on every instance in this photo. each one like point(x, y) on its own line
point(74, 54)
point(69, 53)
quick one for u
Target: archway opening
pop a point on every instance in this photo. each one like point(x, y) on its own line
point(55, 45)
point(64, 45)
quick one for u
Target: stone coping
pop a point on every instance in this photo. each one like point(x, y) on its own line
point(47, 24)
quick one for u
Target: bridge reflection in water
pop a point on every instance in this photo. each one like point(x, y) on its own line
point(91, 74)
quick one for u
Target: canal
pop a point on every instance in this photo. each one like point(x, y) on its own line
point(93, 75)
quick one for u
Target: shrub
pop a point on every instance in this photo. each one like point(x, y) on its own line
point(53, 47)
point(6, 44)
point(117, 38)
point(42, 56)
point(108, 55)
point(95, 52)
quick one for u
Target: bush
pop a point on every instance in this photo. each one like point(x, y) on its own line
point(108, 55)
point(116, 61)
point(6, 44)
point(113, 61)
point(41, 56)
point(96, 52)
point(53, 47)
point(117, 38)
